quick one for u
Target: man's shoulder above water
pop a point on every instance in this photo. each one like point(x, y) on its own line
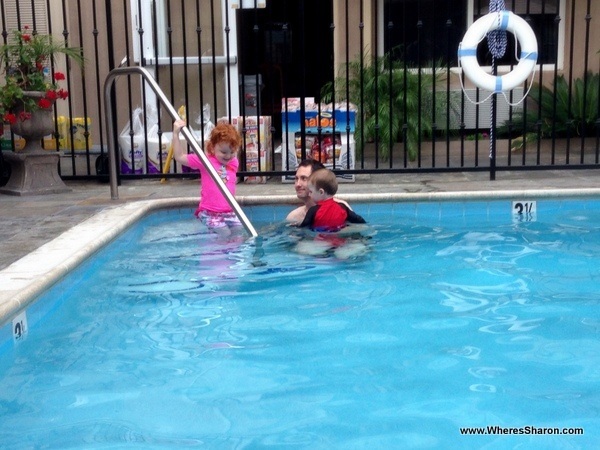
point(296, 216)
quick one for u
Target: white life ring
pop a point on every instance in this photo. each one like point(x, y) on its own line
point(467, 51)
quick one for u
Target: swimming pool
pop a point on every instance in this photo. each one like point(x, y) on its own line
point(458, 315)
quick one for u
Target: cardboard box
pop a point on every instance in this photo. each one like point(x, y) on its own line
point(256, 142)
point(329, 136)
point(335, 151)
point(5, 139)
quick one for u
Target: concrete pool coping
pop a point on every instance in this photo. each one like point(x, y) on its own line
point(27, 278)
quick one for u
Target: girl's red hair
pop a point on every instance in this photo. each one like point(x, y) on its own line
point(224, 133)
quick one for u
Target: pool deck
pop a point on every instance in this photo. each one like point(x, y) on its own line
point(43, 237)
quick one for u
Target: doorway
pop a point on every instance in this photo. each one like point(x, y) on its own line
point(290, 44)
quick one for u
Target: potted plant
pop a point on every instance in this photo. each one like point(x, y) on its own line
point(31, 86)
point(30, 83)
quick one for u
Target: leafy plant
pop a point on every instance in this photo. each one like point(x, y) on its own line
point(557, 111)
point(476, 136)
point(394, 103)
point(26, 61)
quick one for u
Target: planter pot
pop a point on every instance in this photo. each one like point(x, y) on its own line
point(33, 130)
point(34, 171)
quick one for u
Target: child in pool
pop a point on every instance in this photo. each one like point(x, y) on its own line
point(327, 214)
point(221, 150)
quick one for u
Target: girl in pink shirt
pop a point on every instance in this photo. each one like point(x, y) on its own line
point(221, 150)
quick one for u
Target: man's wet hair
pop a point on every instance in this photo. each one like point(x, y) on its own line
point(312, 163)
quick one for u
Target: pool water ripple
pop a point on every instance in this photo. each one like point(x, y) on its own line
point(168, 338)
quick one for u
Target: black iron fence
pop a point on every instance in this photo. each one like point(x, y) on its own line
point(365, 86)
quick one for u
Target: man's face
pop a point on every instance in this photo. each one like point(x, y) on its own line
point(301, 182)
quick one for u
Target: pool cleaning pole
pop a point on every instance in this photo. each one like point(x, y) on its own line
point(112, 158)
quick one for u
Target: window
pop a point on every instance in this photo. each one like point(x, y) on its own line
point(18, 14)
point(162, 32)
point(540, 15)
point(421, 31)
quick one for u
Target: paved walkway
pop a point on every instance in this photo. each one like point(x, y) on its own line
point(26, 223)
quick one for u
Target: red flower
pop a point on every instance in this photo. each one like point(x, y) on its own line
point(10, 118)
point(44, 103)
point(58, 76)
point(26, 37)
point(62, 94)
point(51, 95)
point(24, 115)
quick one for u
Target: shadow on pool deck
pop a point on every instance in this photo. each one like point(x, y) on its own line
point(26, 223)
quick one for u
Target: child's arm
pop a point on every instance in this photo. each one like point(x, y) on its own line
point(352, 216)
point(309, 218)
point(178, 152)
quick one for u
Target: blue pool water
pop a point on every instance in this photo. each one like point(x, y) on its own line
point(458, 315)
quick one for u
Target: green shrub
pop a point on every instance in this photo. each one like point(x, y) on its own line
point(557, 111)
point(390, 101)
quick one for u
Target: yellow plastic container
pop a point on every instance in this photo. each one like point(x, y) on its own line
point(74, 133)
point(63, 135)
point(80, 126)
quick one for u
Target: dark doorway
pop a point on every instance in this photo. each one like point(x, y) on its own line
point(290, 44)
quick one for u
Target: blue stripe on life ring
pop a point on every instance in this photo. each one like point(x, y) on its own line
point(498, 84)
point(504, 22)
point(467, 52)
point(529, 55)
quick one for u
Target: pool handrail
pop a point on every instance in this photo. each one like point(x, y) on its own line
point(112, 154)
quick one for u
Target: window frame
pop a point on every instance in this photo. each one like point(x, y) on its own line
point(26, 15)
point(560, 56)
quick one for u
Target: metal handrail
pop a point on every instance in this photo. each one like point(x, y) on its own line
point(112, 159)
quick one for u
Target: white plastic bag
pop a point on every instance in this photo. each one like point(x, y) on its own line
point(133, 147)
point(205, 122)
point(158, 149)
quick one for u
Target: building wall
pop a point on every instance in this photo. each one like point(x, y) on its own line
point(576, 58)
point(104, 30)
point(577, 28)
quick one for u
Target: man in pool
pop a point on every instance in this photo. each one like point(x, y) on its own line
point(327, 214)
point(303, 173)
point(316, 247)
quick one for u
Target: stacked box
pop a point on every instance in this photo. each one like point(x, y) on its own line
point(329, 135)
point(331, 149)
point(5, 142)
point(256, 142)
